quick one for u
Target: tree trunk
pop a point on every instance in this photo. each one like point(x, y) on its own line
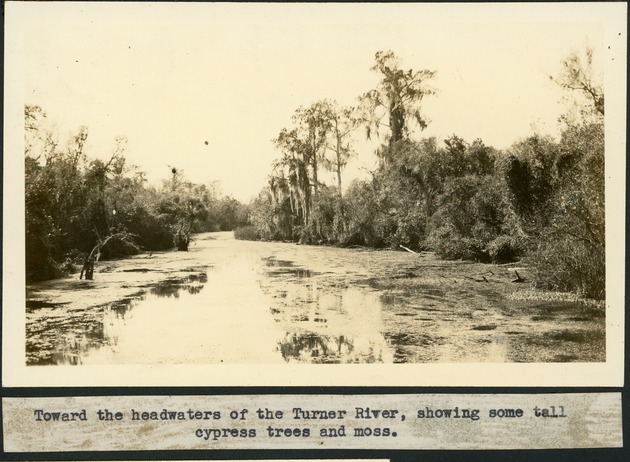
point(88, 269)
point(396, 123)
point(182, 239)
point(338, 159)
point(88, 263)
point(315, 180)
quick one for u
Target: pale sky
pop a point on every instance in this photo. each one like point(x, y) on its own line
point(170, 77)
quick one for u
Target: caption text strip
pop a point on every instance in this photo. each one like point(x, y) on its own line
point(422, 421)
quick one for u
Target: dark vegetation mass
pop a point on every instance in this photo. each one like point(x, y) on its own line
point(80, 209)
point(541, 200)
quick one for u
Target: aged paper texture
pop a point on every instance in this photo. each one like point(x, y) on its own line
point(166, 348)
point(426, 421)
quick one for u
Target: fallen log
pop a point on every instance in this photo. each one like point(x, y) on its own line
point(95, 254)
point(407, 249)
point(477, 280)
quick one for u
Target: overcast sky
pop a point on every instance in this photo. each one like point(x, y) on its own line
point(172, 76)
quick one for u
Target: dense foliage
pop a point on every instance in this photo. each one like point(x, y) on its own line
point(542, 199)
point(76, 205)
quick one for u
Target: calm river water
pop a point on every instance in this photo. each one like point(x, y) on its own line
point(228, 301)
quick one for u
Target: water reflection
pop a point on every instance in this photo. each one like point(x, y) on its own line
point(173, 286)
point(286, 268)
point(326, 349)
point(61, 336)
point(120, 307)
point(69, 336)
point(324, 323)
point(222, 320)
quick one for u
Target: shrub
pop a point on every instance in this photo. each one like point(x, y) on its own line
point(247, 233)
point(505, 249)
point(530, 176)
point(450, 245)
point(471, 214)
point(569, 265)
point(571, 251)
point(151, 230)
point(73, 261)
point(118, 247)
point(367, 222)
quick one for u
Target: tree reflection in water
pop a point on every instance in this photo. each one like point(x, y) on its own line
point(313, 348)
point(172, 287)
point(66, 339)
point(324, 324)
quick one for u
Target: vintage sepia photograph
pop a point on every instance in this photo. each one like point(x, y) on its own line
point(314, 184)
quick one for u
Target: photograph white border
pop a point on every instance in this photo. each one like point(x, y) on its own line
point(16, 374)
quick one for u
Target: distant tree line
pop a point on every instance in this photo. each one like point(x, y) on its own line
point(541, 199)
point(79, 208)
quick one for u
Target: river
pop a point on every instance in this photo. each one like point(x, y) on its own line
point(242, 302)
